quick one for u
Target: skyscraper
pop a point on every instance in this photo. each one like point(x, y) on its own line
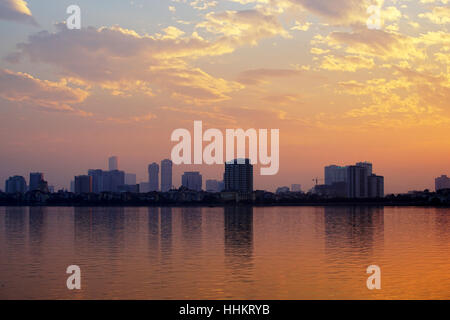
point(375, 186)
point(367, 165)
point(130, 179)
point(443, 182)
point(166, 175)
point(16, 184)
point(83, 184)
point(36, 180)
point(97, 180)
point(238, 176)
point(112, 180)
point(335, 174)
point(357, 182)
point(153, 176)
point(113, 163)
point(212, 186)
point(192, 181)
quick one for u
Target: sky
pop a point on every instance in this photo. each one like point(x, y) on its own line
point(338, 91)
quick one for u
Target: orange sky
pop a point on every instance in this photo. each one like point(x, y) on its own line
point(339, 92)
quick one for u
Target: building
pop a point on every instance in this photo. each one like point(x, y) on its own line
point(375, 186)
point(113, 163)
point(97, 180)
point(357, 181)
point(16, 184)
point(366, 165)
point(166, 175)
point(238, 176)
point(296, 188)
point(36, 179)
point(192, 181)
point(153, 176)
point(334, 174)
point(282, 190)
point(83, 184)
point(112, 180)
point(212, 186)
point(443, 182)
point(130, 179)
point(144, 187)
point(131, 188)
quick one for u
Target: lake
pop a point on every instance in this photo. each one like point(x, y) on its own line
point(225, 253)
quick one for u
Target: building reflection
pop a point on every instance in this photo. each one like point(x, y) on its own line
point(357, 228)
point(15, 225)
point(166, 231)
point(160, 231)
point(238, 233)
point(95, 226)
point(36, 224)
point(191, 228)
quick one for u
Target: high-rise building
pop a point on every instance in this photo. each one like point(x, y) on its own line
point(16, 184)
point(166, 175)
point(212, 186)
point(443, 182)
point(36, 180)
point(113, 163)
point(97, 180)
point(335, 174)
point(130, 179)
point(153, 176)
point(83, 184)
point(357, 182)
point(296, 188)
point(238, 176)
point(112, 180)
point(366, 165)
point(192, 181)
point(375, 186)
point(281, 190)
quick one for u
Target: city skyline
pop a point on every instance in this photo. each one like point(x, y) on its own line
point(338, 91)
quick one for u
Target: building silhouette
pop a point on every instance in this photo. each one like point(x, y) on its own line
point(36, 180)
point(97, 180)
point(113, 163)
point(192, 181)
point(213, 186)
point(16, 184)
point(442, 182)
point(153, 176)
point(83, 184)
point(335, 174)
point(130, 179)
point(238, 176)
point(375, 186)
point(296, 188)
point(357, 181)
point(166, 175)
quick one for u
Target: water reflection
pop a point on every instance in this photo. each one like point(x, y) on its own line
point(238, 232)
point(36, 224)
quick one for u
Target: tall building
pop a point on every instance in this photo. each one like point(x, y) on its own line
point(97, 180)
point(112, 180)
point(192, 181)
point(36, 180)
point(238, 176)
point(212, 186)
point(335, 174)
point(296, 188)
point(357, 182)
point(83, 184)
point(113, 163)
point(153, 176)
point(375, 186)
point(130, 179)
point(443, 182)
point(16, 184)
point(166, 175)
point(366, 165)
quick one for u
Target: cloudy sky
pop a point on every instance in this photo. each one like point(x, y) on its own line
point(338, 91)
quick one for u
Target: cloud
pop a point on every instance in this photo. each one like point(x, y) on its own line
point(125, 62)
point(16, 10)
point(439, 15)
point(259, 76)
point(24, 89)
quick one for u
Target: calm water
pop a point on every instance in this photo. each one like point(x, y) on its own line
point(225, 253)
